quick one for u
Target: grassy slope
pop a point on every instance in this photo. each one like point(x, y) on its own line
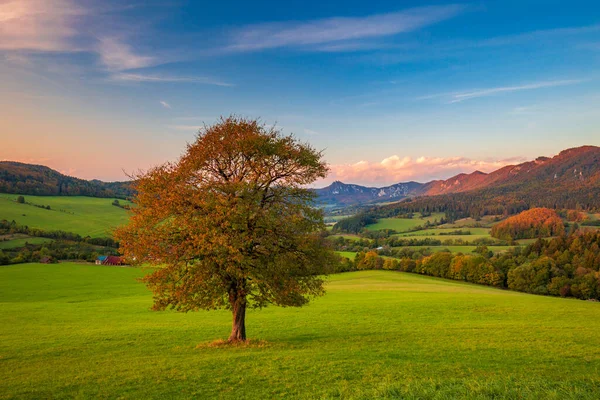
point(11, 244)
point(83, 215)
point(348, 254)
point(85, 331)
point(403, 224)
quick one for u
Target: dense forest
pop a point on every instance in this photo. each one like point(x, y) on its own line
point(38, 180)
point(567, 266)
point(530, 224)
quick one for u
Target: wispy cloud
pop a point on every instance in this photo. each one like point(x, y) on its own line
point(538, 35)
point(457, 97)
point(396, 169)
point(165, 104)
point(117, 55)
point(334, 31)
point(39, 25)
point(131, 77)
point(311, 132)
point(68, 26)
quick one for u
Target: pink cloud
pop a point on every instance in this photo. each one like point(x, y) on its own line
point(40, 25)
point(396, 169)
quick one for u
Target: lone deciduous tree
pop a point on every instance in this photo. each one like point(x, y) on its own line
point(230, 225)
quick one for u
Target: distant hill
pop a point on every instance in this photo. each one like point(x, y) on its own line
point(570, 180)
point(347, 194)
point(571, 177)
point(21, 178)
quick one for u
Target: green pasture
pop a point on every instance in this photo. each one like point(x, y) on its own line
point(85, 331)
point(438, 231)
point(458, 249)
point(348, 254)
point(403, 224)
point(78, 214)
point(14, 243)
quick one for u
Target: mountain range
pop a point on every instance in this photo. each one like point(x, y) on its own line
point(572, 168)
point(572, 172)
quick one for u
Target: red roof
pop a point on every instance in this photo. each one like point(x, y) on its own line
point(112, 260)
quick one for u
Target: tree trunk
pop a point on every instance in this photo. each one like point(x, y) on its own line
point(238, 330)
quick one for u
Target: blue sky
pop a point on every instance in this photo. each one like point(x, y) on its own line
point(392, 91)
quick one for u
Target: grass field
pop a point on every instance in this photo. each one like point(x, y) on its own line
point(403, 224)
point(459, 249)
point(85, 331)
point(437, 231)
point(13, 243)
point(83, 215)
point(348, 254)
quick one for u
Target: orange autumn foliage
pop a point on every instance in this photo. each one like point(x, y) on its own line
point(534, 223)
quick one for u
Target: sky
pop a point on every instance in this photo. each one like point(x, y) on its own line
point(392, 91)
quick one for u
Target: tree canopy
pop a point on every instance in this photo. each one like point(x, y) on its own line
point(231, 224)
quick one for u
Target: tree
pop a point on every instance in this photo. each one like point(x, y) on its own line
point(230, 224)
point(21, 200)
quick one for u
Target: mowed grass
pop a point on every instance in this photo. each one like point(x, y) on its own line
point(403, 224)
point(85, 331)
point(78, 214)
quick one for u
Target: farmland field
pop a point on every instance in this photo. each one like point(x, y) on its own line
point(85, 331)
point(91, 216)
point(403, 224)
point(446, 231)
point(458, 249)
point(20, 242)
point(348, 254)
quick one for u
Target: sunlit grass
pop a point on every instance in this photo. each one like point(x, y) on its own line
point(91, 216)
point(84, 331)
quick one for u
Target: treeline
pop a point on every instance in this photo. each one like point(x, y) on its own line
point(38, 180)
point(530, 224)
point(355, 223)
point(505, 200)
point(7, 228)
point(392, 245)
point(567, 266)
point(54, 251)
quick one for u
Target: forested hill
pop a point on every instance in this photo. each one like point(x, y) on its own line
point(570, 180)
point(571, 177)
point(16, 177)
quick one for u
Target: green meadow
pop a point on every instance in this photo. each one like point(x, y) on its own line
point(20, 242)
point(91, 216)
point(86, 331)
point(443, 232)
point(459, 249)
point(403, 224)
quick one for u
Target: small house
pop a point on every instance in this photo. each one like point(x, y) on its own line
point(100, 260)
point(113, 260)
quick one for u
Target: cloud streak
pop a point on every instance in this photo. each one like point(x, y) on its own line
point(395, 169)
point(134, 77)
point(334, 31)
point(165, 104)
point(117, 55)
point(457, 97)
